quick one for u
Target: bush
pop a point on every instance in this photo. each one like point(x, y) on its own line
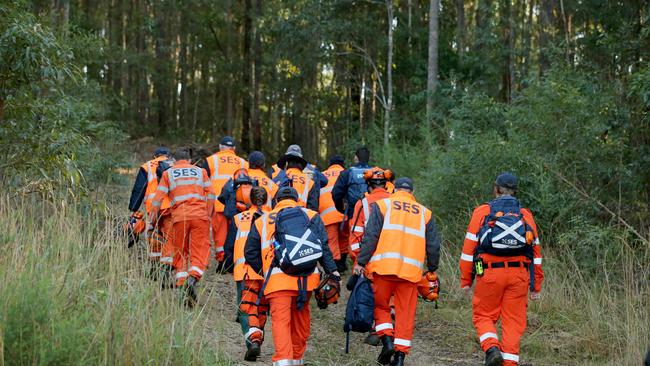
point(54, 130)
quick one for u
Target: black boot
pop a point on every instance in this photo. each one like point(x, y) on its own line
point(372, 339)
point(493, 357)
point(387, 350)
point(190, 292)
point(398, 360)
point(252, 351)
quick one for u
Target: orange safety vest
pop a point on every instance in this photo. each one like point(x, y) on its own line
point(359, 222)
point(223, 164)
point(243, 271)
point(390, 187)
point(265, 182)
point(278, 280)
point(276, 171)
point(401, 249)
point(152, 184)
point(328, 212)
point(189, 190)
point(302, 183)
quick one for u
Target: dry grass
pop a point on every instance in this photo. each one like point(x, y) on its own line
point(71, 293)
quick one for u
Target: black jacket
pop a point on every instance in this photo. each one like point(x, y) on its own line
point(139, 188)
point(373, 230)
point(253, 248)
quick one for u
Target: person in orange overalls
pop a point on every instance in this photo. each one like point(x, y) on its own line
point(377, 180)
point(192, 200)
point(220, 167)
point(400, 235)
point(502, 252)
point(144, 189)
point(289, 308)
point(257, 164)
point(331, 217)
point(250, 315)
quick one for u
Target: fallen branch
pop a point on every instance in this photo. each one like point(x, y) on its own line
point(597, 202)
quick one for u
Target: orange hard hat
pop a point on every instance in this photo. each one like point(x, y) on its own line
point(429, 287)
point(327, 292)
point(377, 173)
point(242, 184)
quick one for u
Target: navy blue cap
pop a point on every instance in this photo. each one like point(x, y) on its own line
point(404, 183)
point(227, 141)
point(287, 193)
point(507, 180)
point(162, 151)
point(337, 159)
point(256, 159)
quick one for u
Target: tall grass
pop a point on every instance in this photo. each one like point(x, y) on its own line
point(592, 313)
point(71, 293)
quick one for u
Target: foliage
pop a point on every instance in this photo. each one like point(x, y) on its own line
point(54, 130)
point(95, 305)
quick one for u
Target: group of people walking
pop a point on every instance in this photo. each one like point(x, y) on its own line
point(288, 233)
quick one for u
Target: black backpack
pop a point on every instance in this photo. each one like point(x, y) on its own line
point(297, 247)
point(504, 231)
point(297, 250)
point(359, 313)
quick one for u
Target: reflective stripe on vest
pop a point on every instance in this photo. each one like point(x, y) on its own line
point(366, 211)
point(420, 233)
point(305, 190)
point(326, 190)
point(395, 255)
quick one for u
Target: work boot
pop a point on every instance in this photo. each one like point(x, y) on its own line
point(190, 292)
point(252, 351)
point(398, 359)
point(493, 357)
point(372, 339)
point(387, 350)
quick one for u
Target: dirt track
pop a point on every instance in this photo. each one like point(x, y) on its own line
point(326, 346)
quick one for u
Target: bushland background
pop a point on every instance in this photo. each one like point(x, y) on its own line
point(449, 92)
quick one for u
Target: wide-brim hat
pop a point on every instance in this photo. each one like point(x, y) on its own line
point(294, 153)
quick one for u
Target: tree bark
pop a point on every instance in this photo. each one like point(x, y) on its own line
point(432, 67)
point(508, 45)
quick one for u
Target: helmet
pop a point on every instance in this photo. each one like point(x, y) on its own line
point(327, 292)
point(242, 184)
point(429, 287)
point(377, 176)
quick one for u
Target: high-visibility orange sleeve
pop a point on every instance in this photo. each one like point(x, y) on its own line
point(161, 192)
point(469, 244)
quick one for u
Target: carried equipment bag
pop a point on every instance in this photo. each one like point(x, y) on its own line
point(504, 231)
point(297, 249)
point(357, 186)
point(359, 313)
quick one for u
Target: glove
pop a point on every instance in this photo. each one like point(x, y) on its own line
point(220, 256)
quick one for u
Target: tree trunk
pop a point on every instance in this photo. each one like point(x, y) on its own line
point(546, 24)
point(460, 27)
point(432, 66)
point(247, 77)
point(257, 66)
point(389, 72)
point(507, 44)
